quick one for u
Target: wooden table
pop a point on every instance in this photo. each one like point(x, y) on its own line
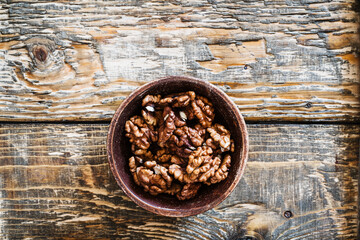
point(290, 66)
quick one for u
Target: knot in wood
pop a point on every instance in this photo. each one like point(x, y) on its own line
point(46, 59)
point(40, 53)
point(250, 238)
point(288, 214)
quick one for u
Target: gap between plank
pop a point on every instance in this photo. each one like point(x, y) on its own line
point(247, 122)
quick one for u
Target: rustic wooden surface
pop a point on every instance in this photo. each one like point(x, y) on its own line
point(58, 184)
point(278, 60)
point(283, 61)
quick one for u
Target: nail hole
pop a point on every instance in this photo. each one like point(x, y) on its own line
point(165, 19)
point(40, 54)
point(308, 105)
point(249, 238)
point(288, 214)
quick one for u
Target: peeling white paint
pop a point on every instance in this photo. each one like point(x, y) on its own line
point(75, 135)
point(80, 219)
point(2, 206)
point(55, 154)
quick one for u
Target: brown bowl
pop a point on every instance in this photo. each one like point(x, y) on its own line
point(118, 148)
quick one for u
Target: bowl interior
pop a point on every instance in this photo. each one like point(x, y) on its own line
point(120, 152)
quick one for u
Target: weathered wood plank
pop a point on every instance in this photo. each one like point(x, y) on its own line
point(278, 60)
point(55, 181)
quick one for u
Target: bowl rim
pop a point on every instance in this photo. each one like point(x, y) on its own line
point(168, 211)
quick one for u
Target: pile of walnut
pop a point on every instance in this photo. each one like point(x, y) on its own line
point(176, 145)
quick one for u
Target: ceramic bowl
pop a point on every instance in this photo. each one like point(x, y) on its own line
point(118, 147)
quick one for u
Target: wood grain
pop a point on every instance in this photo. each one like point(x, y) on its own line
point(55, 183)
point(278, 60)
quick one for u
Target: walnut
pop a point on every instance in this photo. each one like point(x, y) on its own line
point(149, 113)
point(150, 164)
point(189, 112)
point(136, 178)
point(160, 170)
point(150, 118)
point(176, 171)
point(143, 153)
point(190, 137)
point(138, 121)
point(178, 160)
point(222, 172)
point(203, 110)
point(162, 156)
point(179, 99)
point(185, 140)
point(207, 170)
point(143, 177)
point(220, 137)
point(188, 191)
point(174, 189)
point(141, 136)
point(212, 170)
point(198, 157)
point(180, 120)
point(175, 117)
point(151, 100)
point(179, 173)
point(232, 146)
point(167, 127)
point(134, 162)
point(182, 152)
point(176, 146)
point(154, 180)
point(211, 143)
point(202, 165)
point(200, 174)
point(165, 165)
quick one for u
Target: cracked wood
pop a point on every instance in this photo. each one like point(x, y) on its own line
point(55, 179)
point(278, 60)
